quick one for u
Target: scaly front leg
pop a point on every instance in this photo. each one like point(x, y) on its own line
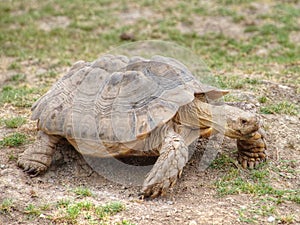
point(252, 150)
point(38, 157)
point(168, 167)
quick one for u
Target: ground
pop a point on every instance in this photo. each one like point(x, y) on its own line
point(252, 48)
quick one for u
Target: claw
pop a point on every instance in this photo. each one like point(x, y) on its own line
point(35, 174)
point(31, 170)
point(256, 163)
point(251, 164)
point(156, 193)
point(244, 164)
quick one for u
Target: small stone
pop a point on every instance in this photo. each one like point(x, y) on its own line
point(2, 166)
point(271, 219)
point(170, 202)
point(192, 222)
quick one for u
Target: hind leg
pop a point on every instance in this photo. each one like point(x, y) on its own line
point(38, 157)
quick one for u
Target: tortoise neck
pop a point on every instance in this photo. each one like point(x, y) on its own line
point(196, 114)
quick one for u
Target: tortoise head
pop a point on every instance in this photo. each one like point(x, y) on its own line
point(240, 123)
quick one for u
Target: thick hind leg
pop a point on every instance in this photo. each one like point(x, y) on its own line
point(168, 167)
point(38, 157)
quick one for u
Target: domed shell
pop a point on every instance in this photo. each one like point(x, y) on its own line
point(117, 99)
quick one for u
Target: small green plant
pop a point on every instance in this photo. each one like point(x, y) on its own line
point(6, 206)
point(125, 222)
point(83, 192)
point(70, 212)
point(287, 219)
point(18, 78)
point(32, 210)
point(281, 108)
point(63, 203)
point(15, 139)
point(14, 122)
point(20, 96)
point(109, 209)
point(14, 66)
point(262, 99)
point(222, 161)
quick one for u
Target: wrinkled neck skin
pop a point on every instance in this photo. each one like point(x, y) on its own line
point(230, 121)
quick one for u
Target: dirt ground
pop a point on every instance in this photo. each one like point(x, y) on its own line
point(193, 200)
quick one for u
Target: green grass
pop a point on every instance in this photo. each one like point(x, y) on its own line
point(255, 183)
point(6, 206)
point(283, 107)
point(32, 211)
point(18, 96)
point(94, 27)
point(236, 82)
point(71, 211)
point(18, 78)
point(13, 140)
point(83, 192)
point(14, 122)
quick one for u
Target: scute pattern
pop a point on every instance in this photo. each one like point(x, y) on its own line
point(116, 99)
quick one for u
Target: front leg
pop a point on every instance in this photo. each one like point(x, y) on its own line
point(38, 157)
point(252, 150)
point(168, 167)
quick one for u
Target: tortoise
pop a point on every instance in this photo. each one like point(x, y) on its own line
point(118, 106)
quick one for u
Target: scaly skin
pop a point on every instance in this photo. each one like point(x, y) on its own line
point(38, 157)
point(168, 167)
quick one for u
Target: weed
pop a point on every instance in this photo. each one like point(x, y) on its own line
point(63, 203)
point(125, 222)
point(287, 219)
point(14, 122)
point(83, 192)
point(13, 140)
point(109, 209)
point(281, 108)
point(32, 210)
point(235, 82)
point(87, 210)
point(14, 66)
point(262, 99)
point(222, 161)
point(6, 206)
point(18, 78)
point(20, 97)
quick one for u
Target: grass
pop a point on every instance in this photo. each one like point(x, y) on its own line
point(15, 122)
point(13, 140)
point(84, 31)
point(18, 96)
point(283, 107)
point(83, 192)
point(70, 212)
point(6, 206)
point(32, 211)
point(235, 82)
point(256, 182)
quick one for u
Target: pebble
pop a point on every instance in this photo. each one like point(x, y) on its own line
point(192, 222)
point(271, 219)
point(170, 202)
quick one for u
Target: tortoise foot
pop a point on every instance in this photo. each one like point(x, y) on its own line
point(252, 150)
point(158, 189)
point(31, 167)
point(37, 158)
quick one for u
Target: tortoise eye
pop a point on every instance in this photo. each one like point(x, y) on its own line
point(243, 121)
